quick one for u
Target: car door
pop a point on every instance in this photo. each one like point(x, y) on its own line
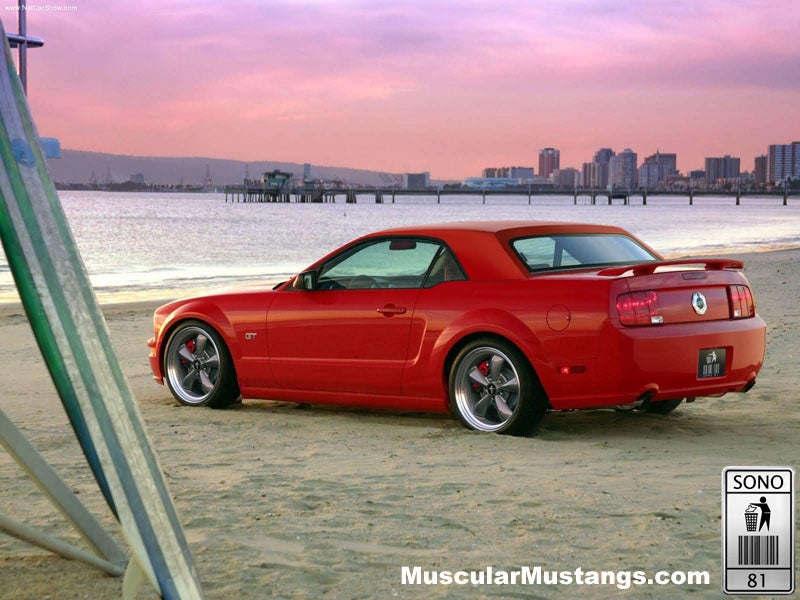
point(350, 332)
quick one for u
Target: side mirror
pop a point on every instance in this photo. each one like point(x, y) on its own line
point(306, 281)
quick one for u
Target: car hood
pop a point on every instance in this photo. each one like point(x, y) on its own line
point(219, 295)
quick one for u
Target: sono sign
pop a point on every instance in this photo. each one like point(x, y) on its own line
point(758, 530)
point(760, 482)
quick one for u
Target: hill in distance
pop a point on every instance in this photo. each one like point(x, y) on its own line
point(78, 166)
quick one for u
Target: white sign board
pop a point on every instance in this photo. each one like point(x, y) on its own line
point(758, 531)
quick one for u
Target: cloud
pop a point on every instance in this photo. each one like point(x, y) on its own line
point(123, 73)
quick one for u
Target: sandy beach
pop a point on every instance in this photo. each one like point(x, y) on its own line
point(279, 501)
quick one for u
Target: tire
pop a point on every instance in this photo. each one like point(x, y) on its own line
point(492, 387)
point(662, 407)
point(198, 367)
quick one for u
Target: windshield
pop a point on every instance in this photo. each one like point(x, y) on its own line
point(547, 252)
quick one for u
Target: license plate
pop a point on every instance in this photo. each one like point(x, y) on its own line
point(711, 363)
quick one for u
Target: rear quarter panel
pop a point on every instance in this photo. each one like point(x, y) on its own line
point(550, 319)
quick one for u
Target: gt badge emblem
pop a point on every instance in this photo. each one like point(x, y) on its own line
point(250, 336)
point(699, 303)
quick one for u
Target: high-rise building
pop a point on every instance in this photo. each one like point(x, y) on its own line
point(622, 170)
point(589, 175)
point(656, 168)
point(489, 172)
point(760, 170)
point(783, 162)
point(725, 167)
point(601, 158)
point(603, 155)
point(566, 178)
point(549, 160)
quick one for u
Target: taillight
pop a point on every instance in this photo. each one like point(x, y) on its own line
point(741, 301)
point(639, 308)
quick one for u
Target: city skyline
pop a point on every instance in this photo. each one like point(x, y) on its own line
point(410, 87)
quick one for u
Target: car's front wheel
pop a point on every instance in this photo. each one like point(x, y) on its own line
point(198, 366)
point(493, 388)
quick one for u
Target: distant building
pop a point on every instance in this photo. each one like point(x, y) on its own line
point(623, 170)
point(566, 178)
point(279, 181)
point(416, 181)
point(697, 178)
point(601, 159)
point(521, 174)
point(589, 175)
point(760, 170)
point(603, 155)
point(549, 161)
point(307, 172)
point(656, 169)
point(489, 183)
point(137, 178)
point(783, 161)
point(747, 179)
point(676, 182)
point(722, 169)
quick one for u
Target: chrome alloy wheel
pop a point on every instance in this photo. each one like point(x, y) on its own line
point(486, 388)
point(192, 365)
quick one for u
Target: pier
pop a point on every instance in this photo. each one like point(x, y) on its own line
point(259, 192)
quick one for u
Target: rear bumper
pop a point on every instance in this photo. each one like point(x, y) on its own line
point(661, 361)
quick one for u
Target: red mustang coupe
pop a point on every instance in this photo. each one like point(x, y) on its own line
point(494, 321)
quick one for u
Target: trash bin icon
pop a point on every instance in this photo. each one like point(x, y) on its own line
point(751, 517)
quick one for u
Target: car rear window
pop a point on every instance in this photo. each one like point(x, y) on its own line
point(548, 252)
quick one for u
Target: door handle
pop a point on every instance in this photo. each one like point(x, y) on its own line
point(391, 309)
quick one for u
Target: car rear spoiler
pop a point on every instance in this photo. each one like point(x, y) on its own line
point(710, 264)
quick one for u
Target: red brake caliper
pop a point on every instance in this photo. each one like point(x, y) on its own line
point(190, 346)
point(483, 369)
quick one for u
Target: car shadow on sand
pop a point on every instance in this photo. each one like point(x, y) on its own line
point(605, 423)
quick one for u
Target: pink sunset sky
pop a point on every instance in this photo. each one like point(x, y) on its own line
point(410, 85)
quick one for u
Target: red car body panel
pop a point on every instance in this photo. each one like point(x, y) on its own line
point(392, 348)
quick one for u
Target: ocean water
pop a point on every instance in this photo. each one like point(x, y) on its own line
point(140, 245)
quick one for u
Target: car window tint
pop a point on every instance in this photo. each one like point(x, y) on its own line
point(390, 263)
point(541, 253)
point(445, 268)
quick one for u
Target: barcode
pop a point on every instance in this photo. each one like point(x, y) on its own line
point(758, 549)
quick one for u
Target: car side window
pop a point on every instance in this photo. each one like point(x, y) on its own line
point(444, 268)
point(386, 263)
point(543, 253)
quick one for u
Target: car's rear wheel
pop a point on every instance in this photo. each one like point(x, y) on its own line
point(493, 388)
point(198, 366)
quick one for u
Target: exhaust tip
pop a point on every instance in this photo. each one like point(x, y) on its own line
point(639, 404)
